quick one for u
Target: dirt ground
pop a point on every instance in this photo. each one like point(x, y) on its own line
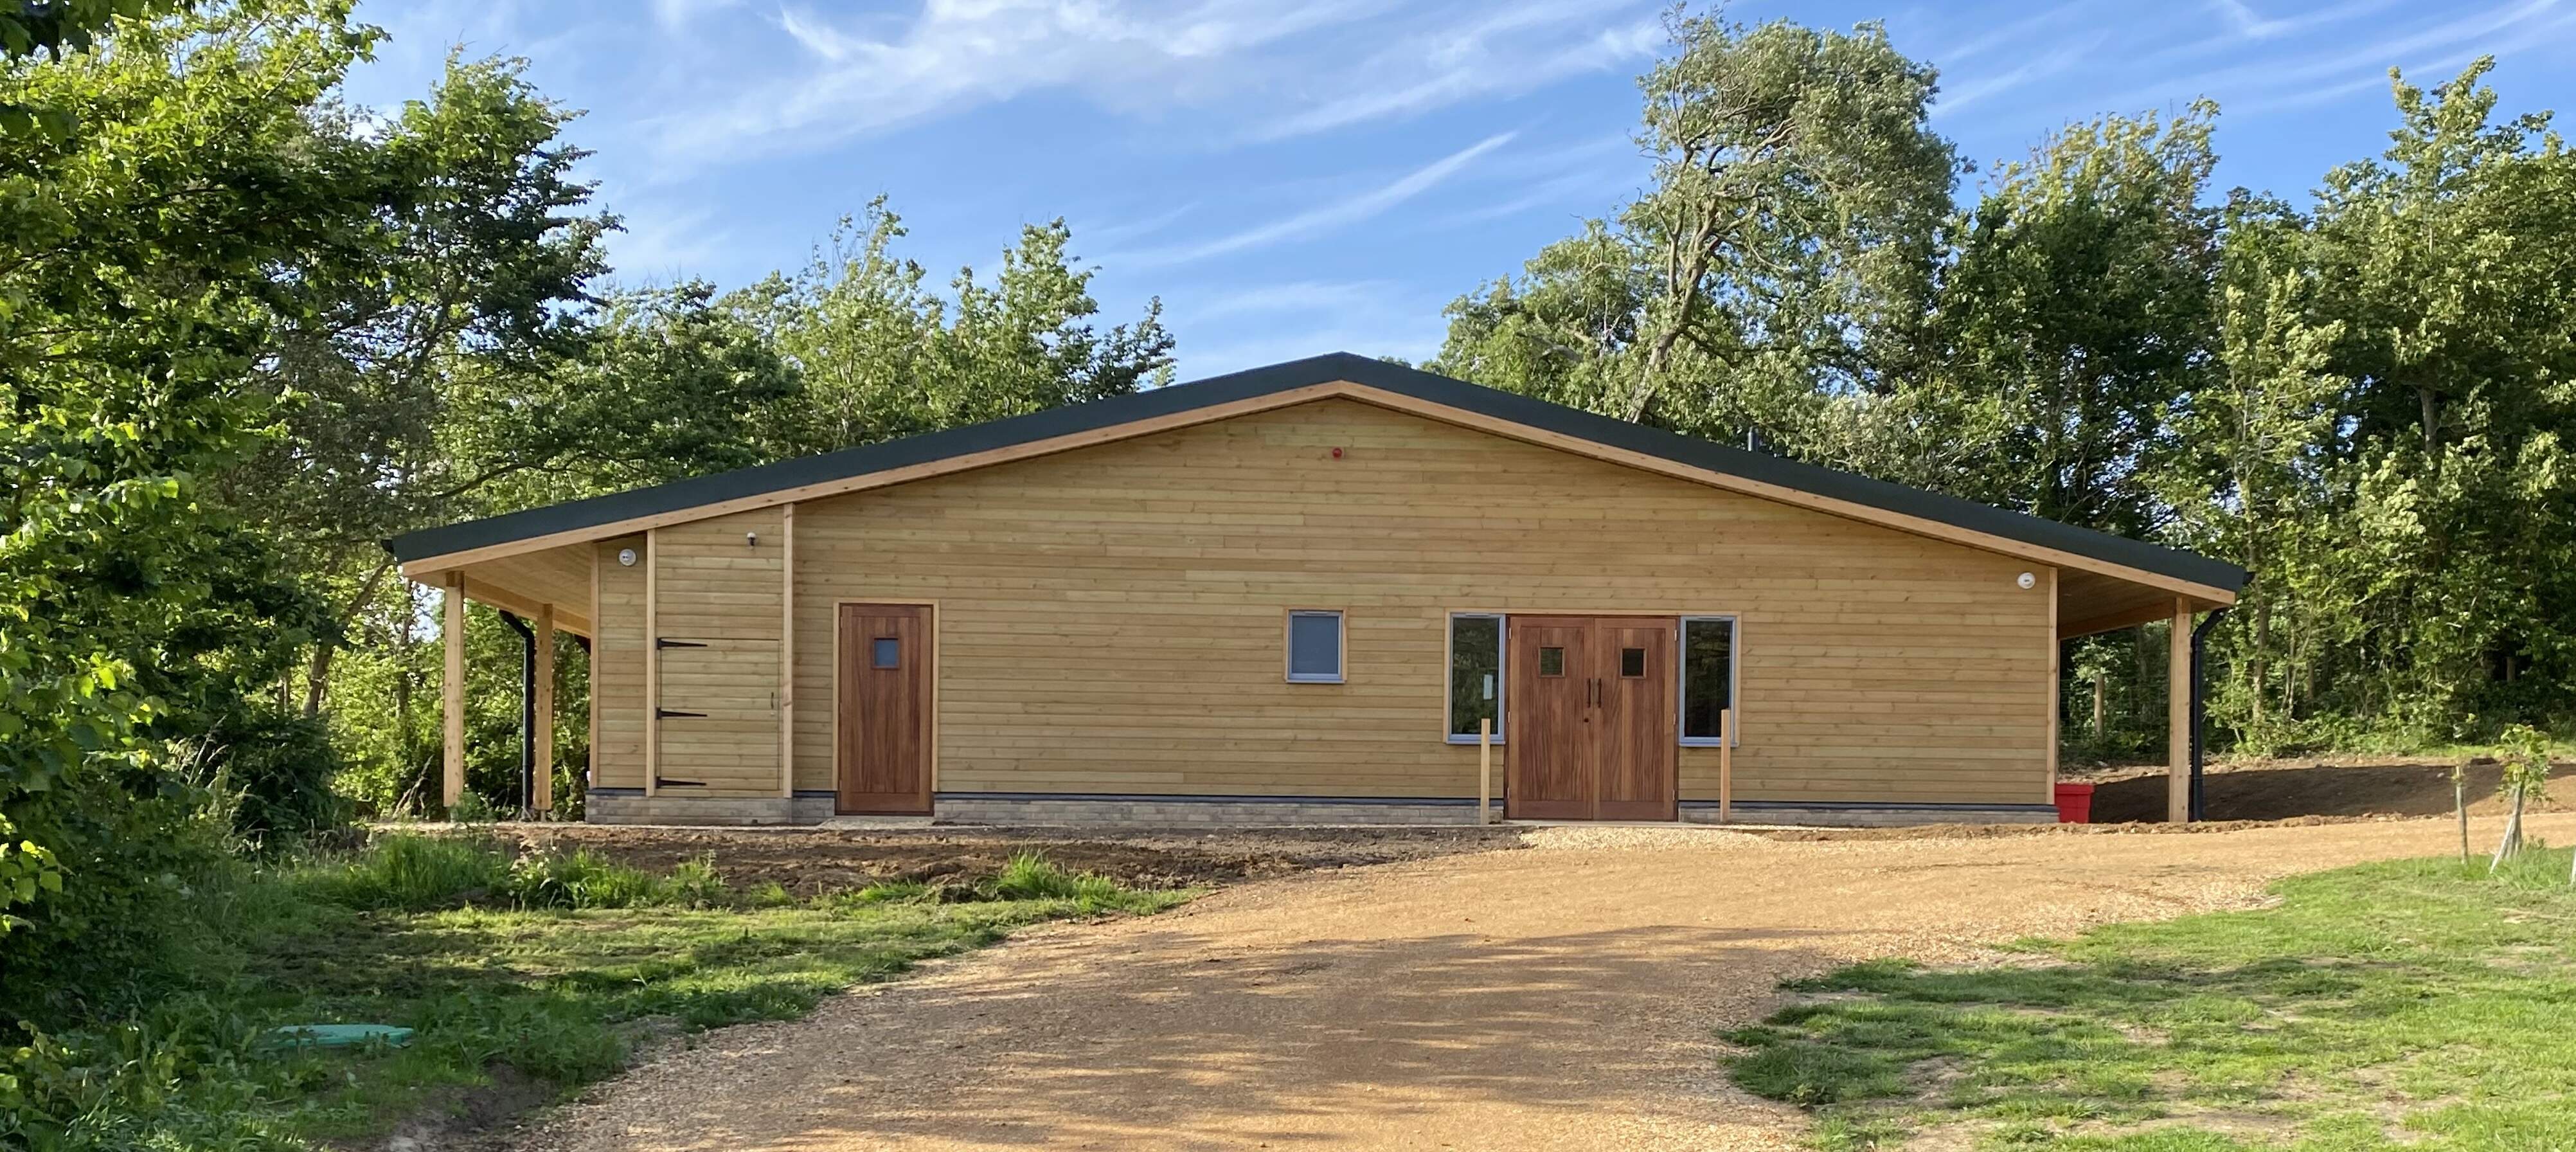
point(2290, 789)
point(807, 861)
point(1566, 995)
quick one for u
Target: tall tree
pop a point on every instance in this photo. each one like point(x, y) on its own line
point(1776, 261)
point(2078, 302)
point(146, 250)
point(883, 356)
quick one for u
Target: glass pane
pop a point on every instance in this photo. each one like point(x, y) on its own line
point(1551, 661)
point(1632, 662)
point(1475, 673)
point(1708, 675)
point(887, 652)
point(1314, 646)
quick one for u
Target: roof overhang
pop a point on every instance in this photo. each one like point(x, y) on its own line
point(2167, 572)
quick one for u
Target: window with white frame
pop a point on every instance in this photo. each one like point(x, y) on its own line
point(1314, 647)
point(1475, 674)
point(1708, 678)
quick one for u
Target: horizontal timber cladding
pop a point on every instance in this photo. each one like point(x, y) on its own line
point(719, 588)
point(1109, 617)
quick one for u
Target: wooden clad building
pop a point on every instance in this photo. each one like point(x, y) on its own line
point(1297, 594)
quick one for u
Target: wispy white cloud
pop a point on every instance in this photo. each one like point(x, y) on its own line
point(1346, 211)
point(1291, 298)
point(1514, 49)
point(2273, 77)
point(1277, 70)
point(1981, 88)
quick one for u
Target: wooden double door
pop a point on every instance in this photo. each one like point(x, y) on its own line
point(881, 729)
point(1591, 733)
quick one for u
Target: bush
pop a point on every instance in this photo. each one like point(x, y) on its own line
point(275, 768)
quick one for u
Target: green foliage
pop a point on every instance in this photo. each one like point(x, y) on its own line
point(138, 285)
point(583, 878)
point(2409, 1003)
point(1784, 245)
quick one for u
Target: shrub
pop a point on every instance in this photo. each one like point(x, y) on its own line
point(275, 768)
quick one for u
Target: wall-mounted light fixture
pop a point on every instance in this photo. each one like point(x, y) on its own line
point(751, 539)
point(2027, 581)
point(626, 557)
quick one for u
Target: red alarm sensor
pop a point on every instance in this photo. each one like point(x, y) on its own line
point(1337, 453)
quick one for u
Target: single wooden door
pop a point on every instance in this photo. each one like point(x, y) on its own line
point(1634, 721)
point(881, 741)
point(1550, 751)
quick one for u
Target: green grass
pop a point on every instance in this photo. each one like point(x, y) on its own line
point(2416, 1004)
point(524, 978)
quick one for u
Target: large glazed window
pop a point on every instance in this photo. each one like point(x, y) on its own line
point(1475, 674)
point(1315, 647)
point(1708, 677)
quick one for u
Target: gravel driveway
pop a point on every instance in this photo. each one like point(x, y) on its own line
point(1562, 997)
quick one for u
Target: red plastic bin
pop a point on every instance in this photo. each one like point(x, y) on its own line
point(2074, 803)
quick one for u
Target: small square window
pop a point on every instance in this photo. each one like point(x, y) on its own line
point(1315, 647)
point(1632, 663)
point(887, 652)
point(1551, 661)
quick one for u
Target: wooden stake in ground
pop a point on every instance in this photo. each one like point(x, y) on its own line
point(2526, 772)
point(2460, 802)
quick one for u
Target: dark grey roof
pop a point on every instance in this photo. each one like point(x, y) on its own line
point(1255, 382)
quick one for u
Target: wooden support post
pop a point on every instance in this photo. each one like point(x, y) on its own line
point(2056, 706)
point(1725, 765)
point(2178, 711)
point(541, 792)
point(1485, 770)
point(451, 692)
point(787, 652)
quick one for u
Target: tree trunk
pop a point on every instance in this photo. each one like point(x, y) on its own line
point(318, 677)
point(2512, 842)
point(2254, 666)
point(2432, 406)
point(2460, 805)
point(2101, 703)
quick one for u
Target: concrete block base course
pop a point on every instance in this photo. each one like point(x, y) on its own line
point(1835, 816)
point(1192, 813)
point(1203, 812)
point(717, 811)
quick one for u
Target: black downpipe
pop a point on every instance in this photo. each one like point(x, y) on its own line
point(2199, 705)
point(528, 713)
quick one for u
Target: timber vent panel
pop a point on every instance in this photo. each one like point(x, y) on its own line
point(718, 611)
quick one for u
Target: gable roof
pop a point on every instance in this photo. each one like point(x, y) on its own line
point(1298, 381)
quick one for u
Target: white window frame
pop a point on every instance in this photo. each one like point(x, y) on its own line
point(1341, 647)
point(1502, 673)
point(1734, 680)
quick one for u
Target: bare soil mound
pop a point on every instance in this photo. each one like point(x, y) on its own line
point(2288, 790)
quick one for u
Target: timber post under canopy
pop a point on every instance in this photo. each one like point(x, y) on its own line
point(541, 791)
point(2178, 712)
point(452, 692)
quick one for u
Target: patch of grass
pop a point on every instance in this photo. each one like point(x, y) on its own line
point(543, 973)
point(2419, 1003)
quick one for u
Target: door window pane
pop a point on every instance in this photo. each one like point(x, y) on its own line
point(1632, 663)
point(1708, 675)
point(1551, 661)
point(1475, 673)
point(1315, 647)
point(886, 652)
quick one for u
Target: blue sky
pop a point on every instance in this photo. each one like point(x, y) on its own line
point(1300, 177)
